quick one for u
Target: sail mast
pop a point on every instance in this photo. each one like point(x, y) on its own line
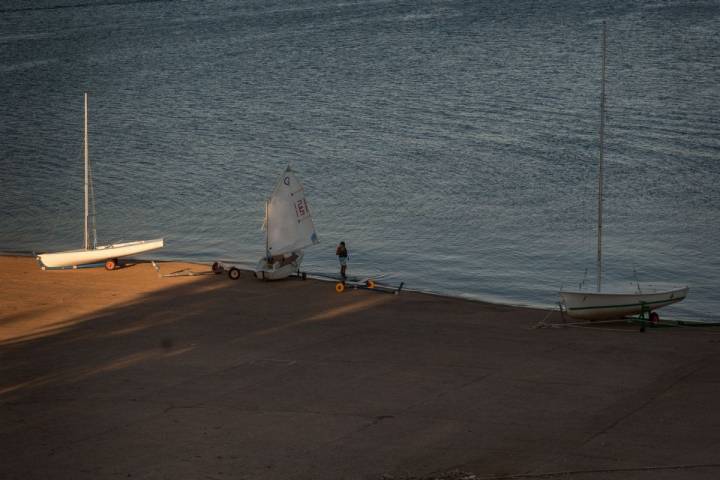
point(87, 172)
point(601, 163)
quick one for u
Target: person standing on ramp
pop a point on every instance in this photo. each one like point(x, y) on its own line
point(342, 255)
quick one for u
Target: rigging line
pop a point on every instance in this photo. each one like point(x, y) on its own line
point(637, 281)
point(93, 217)
point(589, 211)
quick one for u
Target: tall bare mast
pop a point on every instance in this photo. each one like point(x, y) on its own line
point(87, 176)
point(601, 165)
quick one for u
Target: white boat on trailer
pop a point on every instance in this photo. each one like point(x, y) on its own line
point(278, 268)
point(604, 305)
point(91, 253)
point(607, 305)
point(105, 253)
point(289, 228)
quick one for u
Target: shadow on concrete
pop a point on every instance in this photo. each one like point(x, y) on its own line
point(246, 379)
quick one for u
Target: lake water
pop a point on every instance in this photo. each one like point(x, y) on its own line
point(452, 144)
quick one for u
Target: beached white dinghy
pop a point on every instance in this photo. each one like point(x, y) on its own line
point(91, 253)
point(606, 305)
point(603, 305)
point(99, 254)
point(288, 227)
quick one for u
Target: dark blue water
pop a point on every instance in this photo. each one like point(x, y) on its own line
point(452, 145)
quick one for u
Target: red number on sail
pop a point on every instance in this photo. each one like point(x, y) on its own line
point(301, 208)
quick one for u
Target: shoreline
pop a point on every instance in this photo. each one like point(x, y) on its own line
point(247, 267)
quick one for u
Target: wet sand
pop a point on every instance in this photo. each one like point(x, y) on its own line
point(124, 374)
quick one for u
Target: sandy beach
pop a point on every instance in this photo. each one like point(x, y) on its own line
point(124, 374)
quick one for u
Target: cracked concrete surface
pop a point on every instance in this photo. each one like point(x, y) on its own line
point(201, 377)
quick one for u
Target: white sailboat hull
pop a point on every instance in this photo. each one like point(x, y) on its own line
point(605, 306)
point(277, 272)
point(73, 258)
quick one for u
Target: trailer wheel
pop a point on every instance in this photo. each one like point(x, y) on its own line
point(234, 273)
point(370, 284)
point(339, 287)
point(654, 319)
point(111, 264)
point(217, 268)
point(304, 275)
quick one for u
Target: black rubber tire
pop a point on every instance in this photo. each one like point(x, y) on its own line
point(111, 264)
point(217, 268)
point(234, 273)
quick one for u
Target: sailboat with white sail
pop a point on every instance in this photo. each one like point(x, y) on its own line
point(92, 253)
point(289, 228)
point(601, 304)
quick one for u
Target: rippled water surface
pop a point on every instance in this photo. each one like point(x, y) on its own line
point(453, 145)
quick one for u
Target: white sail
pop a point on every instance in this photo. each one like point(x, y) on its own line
point(288, 221)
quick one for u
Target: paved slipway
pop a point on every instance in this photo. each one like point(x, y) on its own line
point(127, 375)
